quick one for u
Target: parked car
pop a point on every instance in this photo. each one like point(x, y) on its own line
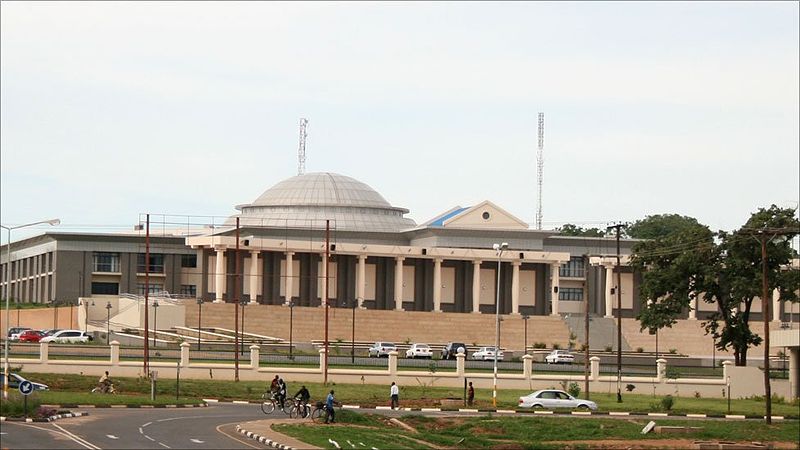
point(31, 336)
point(549, 398)
point(68, 336)
point(14, 332)
point(559, 356)
point(487, 354)
point(451, 349)
point(50, 331)
point(419, 351)
point(14, 380)
point(379, 349)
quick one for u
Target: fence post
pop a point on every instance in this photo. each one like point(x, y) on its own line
point(661, 370)
point(254, 356)
point(185, 354)
point(114, 353)
point(726, 365)
point(460, 356)
point(594, 367)
point(393, 363)
point(44, 351)
point(527, 366)
point(322, 360)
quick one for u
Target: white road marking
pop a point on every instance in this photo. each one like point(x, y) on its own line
point(148, 437)
point(77, 438)
point(164, 445)
point(147, 424)
point(111, 436)
point(197, 441)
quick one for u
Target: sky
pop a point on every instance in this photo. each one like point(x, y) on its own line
point(110, 110)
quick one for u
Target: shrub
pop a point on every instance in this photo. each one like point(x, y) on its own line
point(608, 348)
point(556, 346)
point(584, 347)
point(15, 405)
point(639, 350)
point(672, 373)
point(668, 402)
point(539, 345)
point(673, 351)
point(574, 389)
point(630, 387)
point(697, 394)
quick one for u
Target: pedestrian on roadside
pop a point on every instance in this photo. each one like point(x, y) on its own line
point(470, 394)
point(329, 402)
point(394, 392)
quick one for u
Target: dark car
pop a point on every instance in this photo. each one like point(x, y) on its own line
point(451, 349)
point(31, 336)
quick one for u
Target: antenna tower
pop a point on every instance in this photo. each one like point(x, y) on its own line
point(540, 171)
point(301, 151)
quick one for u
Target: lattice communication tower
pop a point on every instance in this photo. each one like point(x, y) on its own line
point(301, 151)
point(540, 171)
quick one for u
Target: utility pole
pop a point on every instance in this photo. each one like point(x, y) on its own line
point(618, 227)
point(146, 295)
point(236, 307)
point(325, 294)
point(586, 349)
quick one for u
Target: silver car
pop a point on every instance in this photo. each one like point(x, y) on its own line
point(551, 399)
point(380, 349)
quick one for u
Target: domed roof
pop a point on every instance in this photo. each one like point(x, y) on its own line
point(309, 200)
point(321, 189)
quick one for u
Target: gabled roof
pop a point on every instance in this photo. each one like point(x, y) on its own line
point(484, 215)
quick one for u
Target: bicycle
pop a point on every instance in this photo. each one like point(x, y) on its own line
point(269, 403)
point(320, 413)
point(299, 409)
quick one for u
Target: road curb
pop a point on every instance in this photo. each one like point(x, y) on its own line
point(52, 418)
point(194, 405)
point(262, 439)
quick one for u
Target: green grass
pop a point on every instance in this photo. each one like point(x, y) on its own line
point(519, 432)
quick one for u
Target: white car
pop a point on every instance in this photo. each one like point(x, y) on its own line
point(559, 356)
point(67, 336)
point(549, 398)
point(14, 381)
point(487, 354)
point(379, 349)
point(14, 332)
point(419, 351)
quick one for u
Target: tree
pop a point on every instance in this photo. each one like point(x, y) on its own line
point(573, 230)
point(684, 261)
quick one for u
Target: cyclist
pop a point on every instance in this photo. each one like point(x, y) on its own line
point(105, 383)
point(273, 387)
point(281, 394)
point(329, 408)
point(303, 396)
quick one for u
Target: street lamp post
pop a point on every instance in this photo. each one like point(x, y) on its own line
point(353, 335)
point(525, 319)
point(499, 248)
point(199, 319)
point(8, 291)
point(291, 314)
point(108, 323)
point(155, 320)
point(243, 303)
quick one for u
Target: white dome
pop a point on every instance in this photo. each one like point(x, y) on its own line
point(308, 200)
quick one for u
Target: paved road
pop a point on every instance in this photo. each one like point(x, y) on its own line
point(191, 428)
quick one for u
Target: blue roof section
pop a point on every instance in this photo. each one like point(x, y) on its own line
point(440, 221)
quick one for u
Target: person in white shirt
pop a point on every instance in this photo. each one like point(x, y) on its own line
point(395, 393)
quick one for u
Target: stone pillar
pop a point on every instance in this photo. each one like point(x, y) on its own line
point(554, 287)
point(609, 297)
point(219, 276)
point(594, 368)
point(185, 354)
point(393, 363)
point(794, 372)
point(437, 285)
point(322, 360)
point(725, 366)
point(398, 283)
point(361, 279)
point(515, 286)
point(693, 309)
point(527, 366)
point(44, 351)
point(661, 370)
point(776, 305)
point(114, 353)
point(254, 356)
point(254, 278)
point(288, 286)
point(476, 286)
point(460, 356)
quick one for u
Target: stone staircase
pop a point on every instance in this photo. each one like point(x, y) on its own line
point(602, 332)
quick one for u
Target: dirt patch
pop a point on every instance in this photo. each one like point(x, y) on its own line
point(609, 444)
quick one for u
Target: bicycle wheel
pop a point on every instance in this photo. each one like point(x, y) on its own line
point(317, 415)
point(294, 411)
point(267, 405)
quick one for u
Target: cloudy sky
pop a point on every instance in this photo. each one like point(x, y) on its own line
point(110, 110)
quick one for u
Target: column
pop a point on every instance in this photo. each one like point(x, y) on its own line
point(361, 279)
point(794, 372)
point(185, 354)
point(693, 309)
point(515, 286)
point(255, 361)
point(609, 297)
point(398, 283)
point(476, 287)
point(288, 286)
point(437, 285)
point(219, 275)
point(776, 305)
point(554, 285)
point(254, 278)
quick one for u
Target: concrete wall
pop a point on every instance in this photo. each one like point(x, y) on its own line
point(61, 317)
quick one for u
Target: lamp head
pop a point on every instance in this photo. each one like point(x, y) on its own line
point(54, 222)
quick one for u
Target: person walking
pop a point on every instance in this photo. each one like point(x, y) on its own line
point(331, 416)
point(394, 392)
point(470, 394)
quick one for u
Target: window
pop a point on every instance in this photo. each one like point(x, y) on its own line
point(153, 288)
point(105, 288)
point(156, 263)
point(106, 262)
point(575, 268)
point(570, 294)
point(188, 289)
point(189, 261)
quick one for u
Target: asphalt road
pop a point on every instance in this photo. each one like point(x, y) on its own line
point(213, 427)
